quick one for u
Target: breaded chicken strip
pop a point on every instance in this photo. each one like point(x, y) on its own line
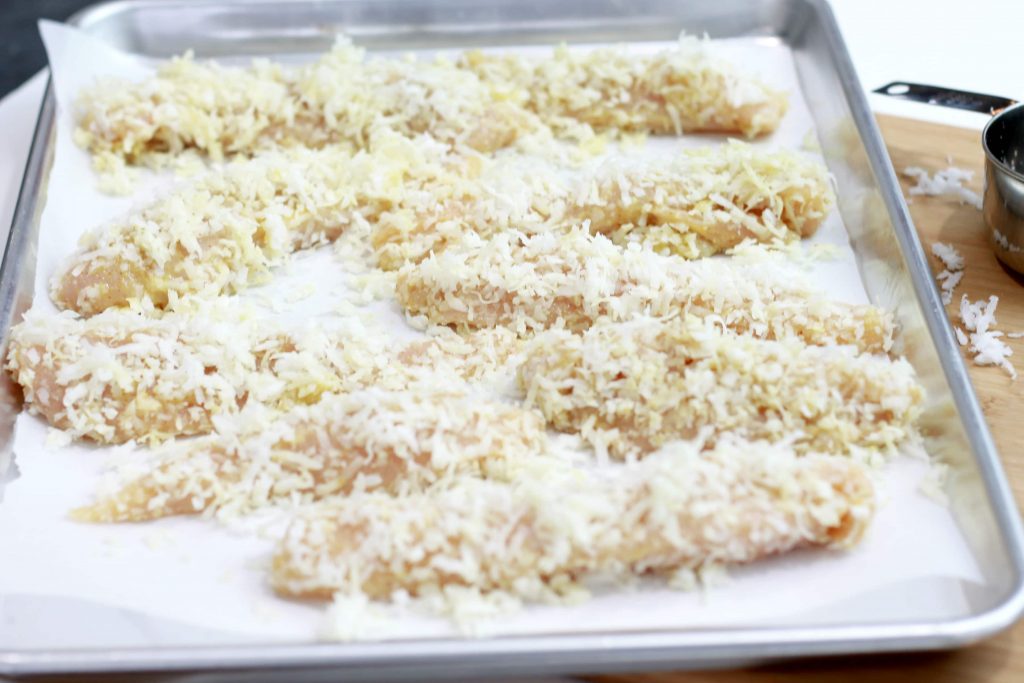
point(121, 376)
point(697, 203)
point(707, 200)
point(574, 279)
point(398, 441)
point(482, 103)
point(680, 90)
point(736, 504)
point(227, 229)
point(343, 97)
point(628, 388)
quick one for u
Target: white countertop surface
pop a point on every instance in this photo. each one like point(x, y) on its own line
point(963, 44)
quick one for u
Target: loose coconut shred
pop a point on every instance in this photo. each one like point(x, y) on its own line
point(978, 318)
point(950, 277)
point(717, 407)
point(945, 183)
point(981, 340)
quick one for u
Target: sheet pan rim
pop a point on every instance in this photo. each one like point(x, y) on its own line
point(564, 653)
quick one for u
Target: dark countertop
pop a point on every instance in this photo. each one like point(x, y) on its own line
point(21, 50)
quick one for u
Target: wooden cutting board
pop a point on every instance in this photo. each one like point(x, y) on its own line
point(1001, 658)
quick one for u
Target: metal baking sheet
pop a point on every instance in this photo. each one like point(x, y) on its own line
point(893, 265)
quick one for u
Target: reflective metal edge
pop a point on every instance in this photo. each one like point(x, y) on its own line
point(583, 653)
point(17, 270)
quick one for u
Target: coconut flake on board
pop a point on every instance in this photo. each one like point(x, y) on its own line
point(979, 317)
point(948, 182)
point(954, 272)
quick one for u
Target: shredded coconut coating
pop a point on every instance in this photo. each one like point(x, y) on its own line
point(629, 388)
point(473, 357)
point(343, 97)
point(696, 203)
point(227, 229)
point(398, 441)
point(736, 504)
point(121, 376)
point(483, 103)
point(684, 89)
point(708, 200)
point(574, 279)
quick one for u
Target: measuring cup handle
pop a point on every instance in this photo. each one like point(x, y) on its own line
point(946, 97)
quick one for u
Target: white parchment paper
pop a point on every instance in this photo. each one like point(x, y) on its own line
point(179, 581)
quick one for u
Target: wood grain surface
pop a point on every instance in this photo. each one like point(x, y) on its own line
point(1001, 658)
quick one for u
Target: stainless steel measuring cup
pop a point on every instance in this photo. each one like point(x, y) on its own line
point(1003, 206)
point(1003, 142)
